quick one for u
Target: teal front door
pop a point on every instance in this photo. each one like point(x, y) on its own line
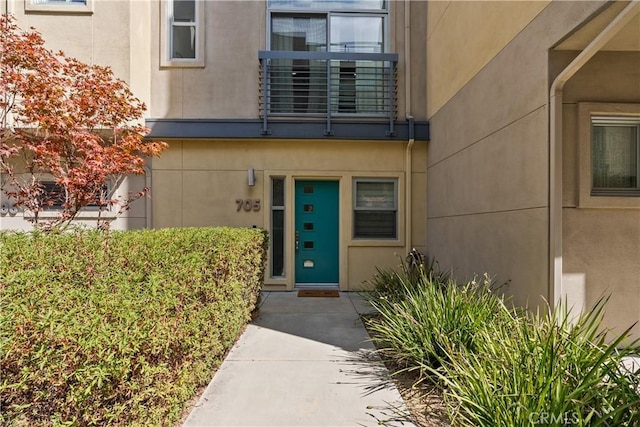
point(316, 233)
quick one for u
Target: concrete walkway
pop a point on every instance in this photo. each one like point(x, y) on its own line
point(302, 362)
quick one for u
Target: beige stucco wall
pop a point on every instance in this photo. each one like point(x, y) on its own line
point(228, 85)
point(105, 36)
point(488, 159)
point(463, 36)
point(601, 235)
point(407, 38)
point(601, 253)
point(197, 183)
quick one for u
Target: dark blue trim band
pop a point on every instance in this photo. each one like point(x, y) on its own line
point(283, 129)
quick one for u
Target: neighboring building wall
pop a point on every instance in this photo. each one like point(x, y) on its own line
point(488, 159)
point(601, 235)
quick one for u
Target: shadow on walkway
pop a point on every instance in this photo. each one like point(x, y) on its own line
point(303, 362)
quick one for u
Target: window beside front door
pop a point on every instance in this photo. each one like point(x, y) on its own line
point(615, 156)
point(375, 208)
point(277, 227)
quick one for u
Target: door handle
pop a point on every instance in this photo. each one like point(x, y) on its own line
point(297, 240)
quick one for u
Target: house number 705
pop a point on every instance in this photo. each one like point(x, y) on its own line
point(248, 204)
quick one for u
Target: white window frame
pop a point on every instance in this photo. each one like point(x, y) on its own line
point(166, 33)
point(587, 112)
point(355, 208)
point(59, 6)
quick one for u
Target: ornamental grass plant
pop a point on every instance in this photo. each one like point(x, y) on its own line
point(543, 369)
point(502, 366)
point(424, 320)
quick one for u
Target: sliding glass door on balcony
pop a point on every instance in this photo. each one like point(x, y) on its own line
point(359, 87)
point(362, 34)
point(298, 85)
point(317, 84)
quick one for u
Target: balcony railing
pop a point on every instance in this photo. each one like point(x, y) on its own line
point(327, 85)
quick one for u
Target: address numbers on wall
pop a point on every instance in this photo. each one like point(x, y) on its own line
point(247, 205)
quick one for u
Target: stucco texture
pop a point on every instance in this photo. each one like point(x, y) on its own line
point(197, 183)
point(488, 158)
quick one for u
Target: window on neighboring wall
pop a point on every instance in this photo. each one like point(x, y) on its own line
point(57, 1)
point(615, 156)
point(375, 208)
point(182, 38)
point(277, 227)
point(62, 6)
point(53, 196)
point(300, 85)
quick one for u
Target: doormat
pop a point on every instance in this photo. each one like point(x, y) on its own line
point(318, 293)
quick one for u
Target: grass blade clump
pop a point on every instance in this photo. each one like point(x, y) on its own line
point(501, 366)
point(544, 370)
point(424, 317)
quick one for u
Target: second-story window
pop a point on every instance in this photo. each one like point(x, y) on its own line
point(183, 29)
point(59, 6)
point(182, 35)
point(58, 1)
point(348, 33)
point(347, 85)
point(343, 25)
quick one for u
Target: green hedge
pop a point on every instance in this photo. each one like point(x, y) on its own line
point(119, 328)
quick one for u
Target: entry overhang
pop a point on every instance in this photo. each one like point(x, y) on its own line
point(282, 129)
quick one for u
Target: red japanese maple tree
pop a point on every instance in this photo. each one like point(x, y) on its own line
point(68, 122)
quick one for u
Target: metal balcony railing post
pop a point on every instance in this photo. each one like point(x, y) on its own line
point(391, 69)
point(328, 131)
point(276, 105)
point(265, 95)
